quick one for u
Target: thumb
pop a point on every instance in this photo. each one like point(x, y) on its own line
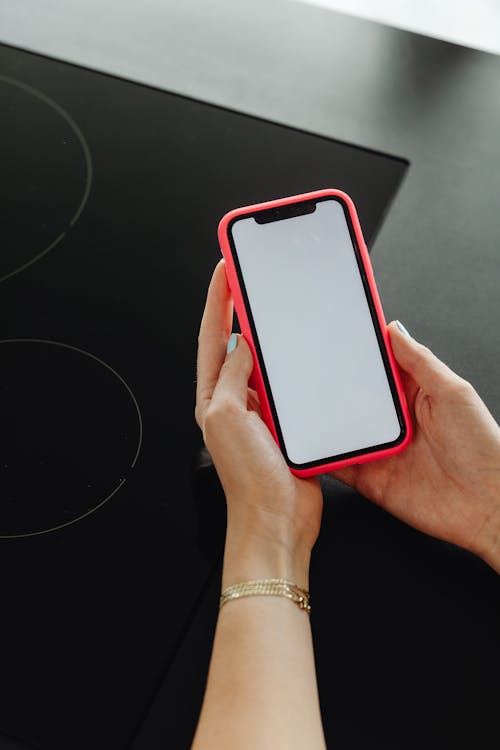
point(235, 372)
point(417, 360)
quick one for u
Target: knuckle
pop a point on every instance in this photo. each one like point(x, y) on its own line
point(425, 350)
point(212, 425)
point(225, 406)
point(212, 419)
point(460, 387)
point(211, 415)
point(465, 385)
point(220, 411)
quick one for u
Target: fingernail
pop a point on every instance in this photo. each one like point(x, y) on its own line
point(402, 328)
point(231, 344)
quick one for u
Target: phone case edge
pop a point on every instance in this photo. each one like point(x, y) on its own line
point(257, 379)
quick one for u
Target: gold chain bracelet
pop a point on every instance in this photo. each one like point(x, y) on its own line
point(268, 587)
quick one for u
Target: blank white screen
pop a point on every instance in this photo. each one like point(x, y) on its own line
point(315, 331)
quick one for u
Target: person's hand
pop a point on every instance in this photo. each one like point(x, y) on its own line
point(447, 481)
point(264, 499)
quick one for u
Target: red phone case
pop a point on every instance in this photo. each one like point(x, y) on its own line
point(257, 380)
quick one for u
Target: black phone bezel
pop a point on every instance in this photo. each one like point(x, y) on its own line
point(283, 214)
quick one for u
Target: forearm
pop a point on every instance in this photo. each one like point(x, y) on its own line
point(261, 689)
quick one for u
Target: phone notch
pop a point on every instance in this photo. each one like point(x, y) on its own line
point(301, 208)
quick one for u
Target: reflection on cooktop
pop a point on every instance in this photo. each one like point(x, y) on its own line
point(71, 430)
point(46, 174)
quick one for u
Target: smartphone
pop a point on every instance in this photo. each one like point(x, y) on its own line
point(305, 296)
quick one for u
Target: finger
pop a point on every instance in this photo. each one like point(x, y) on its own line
point(215, 329)
point(428, 372)
point(254, 401)
point(232, 385)
point(411, 388)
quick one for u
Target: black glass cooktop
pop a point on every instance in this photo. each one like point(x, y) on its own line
point(110, 197)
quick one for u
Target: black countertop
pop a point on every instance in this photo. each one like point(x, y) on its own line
point(437, 264)
point(111, 195)
point(405, 627)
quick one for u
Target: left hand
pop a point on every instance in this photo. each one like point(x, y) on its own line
point(263, 497)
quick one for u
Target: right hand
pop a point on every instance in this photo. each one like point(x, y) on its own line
point(447, 481)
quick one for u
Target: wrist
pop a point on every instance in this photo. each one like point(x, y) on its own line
point(249, 556)
point(263, 519)
point(488, 547)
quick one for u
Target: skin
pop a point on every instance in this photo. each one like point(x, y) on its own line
point(447, 482)
point(261, 688)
